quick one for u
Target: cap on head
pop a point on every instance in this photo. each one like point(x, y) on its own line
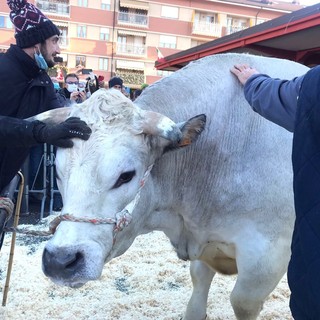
point(115, 81)
point(31, 25)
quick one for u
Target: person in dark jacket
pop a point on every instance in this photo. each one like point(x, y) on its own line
point(27, 90)
point(295, 105)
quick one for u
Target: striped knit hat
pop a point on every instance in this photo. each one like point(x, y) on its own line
point(31, 25)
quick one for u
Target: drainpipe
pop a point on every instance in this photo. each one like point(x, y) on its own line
point(256, 19)
point(112, 39)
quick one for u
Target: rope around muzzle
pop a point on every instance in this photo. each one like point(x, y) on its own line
point(123, 218)
point(120, 222)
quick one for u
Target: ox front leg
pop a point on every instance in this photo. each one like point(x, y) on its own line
point(253, 285)
point(201, 276)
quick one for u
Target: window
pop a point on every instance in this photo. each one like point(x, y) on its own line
point(235, 24)
point(103, 64)
point(5, 22)
point(261, 21)
point(81, 61)
point(170, 12)
point(105, 5)
point(82, 31)
point(82, 3)
point(210, 19)
point(104, 34)
point(63, 36)
point(164, 73)
point(9, 24)
point(167, 41)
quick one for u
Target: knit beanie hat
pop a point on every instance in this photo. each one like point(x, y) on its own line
point(115, 81)
point(31, 25)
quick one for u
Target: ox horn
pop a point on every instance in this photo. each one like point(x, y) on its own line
point(157, 124)
point(52, 116)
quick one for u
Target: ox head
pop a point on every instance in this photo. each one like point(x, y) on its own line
point(98, 178)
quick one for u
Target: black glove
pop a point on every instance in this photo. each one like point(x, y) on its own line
point(60, 134)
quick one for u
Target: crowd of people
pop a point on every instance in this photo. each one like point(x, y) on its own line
point(76, 90)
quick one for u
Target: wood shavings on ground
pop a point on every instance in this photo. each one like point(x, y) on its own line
point(147, 282)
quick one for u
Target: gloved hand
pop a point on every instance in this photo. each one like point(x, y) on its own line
point(60, 134)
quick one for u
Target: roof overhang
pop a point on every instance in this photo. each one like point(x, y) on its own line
point(295, 36)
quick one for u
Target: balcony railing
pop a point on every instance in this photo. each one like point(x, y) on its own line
point(207, 28)
point(64, 42)
point(233, 29)
point(131, 49)
point(133, 19)
point(53, 7)
point(131, 77)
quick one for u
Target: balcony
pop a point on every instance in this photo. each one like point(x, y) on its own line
point(131, 77)
point(129, 49)
point(207, 28)
point(134, 19)
point(233, 29)
point(64, 42)
point(54, 7)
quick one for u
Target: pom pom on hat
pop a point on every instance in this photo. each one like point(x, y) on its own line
point(31, 25)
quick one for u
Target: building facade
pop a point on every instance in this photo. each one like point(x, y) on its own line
point(126, 37)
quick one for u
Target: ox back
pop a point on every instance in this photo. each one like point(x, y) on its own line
point(241, 164)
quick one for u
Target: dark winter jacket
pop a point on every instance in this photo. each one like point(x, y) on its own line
point(276, 100)
point(25, 90)
point(66, 94)
point(304, 266)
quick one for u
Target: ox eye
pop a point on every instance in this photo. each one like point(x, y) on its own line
point(124, 178)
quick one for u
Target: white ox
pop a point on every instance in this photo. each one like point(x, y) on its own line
point(225, 202)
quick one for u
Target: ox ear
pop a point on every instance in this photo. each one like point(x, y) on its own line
point(156, 124)
point(53, 116)
point(191, 130)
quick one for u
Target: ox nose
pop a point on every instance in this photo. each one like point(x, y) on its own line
point(61, 264)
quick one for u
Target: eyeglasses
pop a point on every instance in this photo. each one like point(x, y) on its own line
point(72, 82)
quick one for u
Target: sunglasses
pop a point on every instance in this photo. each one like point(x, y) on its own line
point(70, 82)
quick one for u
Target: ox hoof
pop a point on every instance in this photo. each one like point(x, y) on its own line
point(206, 317)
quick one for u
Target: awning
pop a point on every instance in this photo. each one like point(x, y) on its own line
point(134, 4)
point(132, 33)
point(132, 65)
point(61, 24)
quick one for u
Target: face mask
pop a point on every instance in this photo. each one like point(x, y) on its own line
point(41, 62)
point(56, 85)
point(72, 87)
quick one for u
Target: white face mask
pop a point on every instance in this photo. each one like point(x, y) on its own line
point(72, 87)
